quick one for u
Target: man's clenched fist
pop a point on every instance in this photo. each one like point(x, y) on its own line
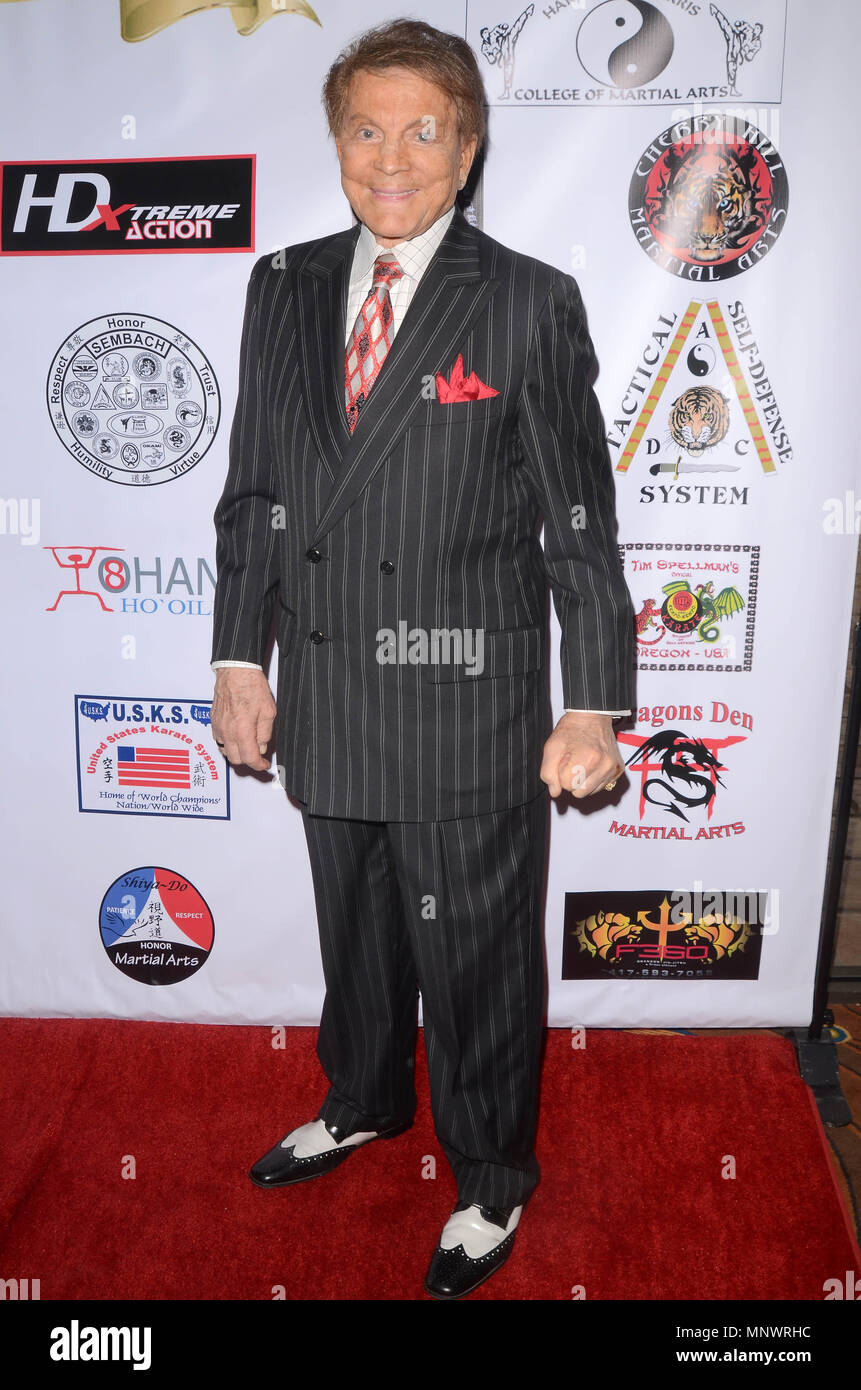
point(581, 755)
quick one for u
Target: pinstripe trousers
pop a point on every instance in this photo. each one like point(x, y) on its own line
point(453, 909)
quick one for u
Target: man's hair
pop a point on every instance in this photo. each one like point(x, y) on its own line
point(444, 59)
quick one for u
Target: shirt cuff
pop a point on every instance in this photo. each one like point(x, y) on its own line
point(249, 665)
point(615, 713)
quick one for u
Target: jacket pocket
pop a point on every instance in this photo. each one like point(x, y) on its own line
point(456, 412)
point(480, 654)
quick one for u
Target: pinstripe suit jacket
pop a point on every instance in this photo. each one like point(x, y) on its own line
point(426, 517)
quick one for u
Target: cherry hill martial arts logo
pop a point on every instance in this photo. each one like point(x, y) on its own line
point(709, 197)
point(133, 399)
point(155, 926)
point(110, 207)
point(657, 934)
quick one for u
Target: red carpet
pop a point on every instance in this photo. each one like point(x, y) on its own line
point(635, 1131)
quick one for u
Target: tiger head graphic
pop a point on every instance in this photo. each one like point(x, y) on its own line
point(708, 201)
point(699, 418)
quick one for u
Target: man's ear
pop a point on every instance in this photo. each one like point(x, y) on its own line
point(469, 150)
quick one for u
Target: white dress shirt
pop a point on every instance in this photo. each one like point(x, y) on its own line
point(413, 257)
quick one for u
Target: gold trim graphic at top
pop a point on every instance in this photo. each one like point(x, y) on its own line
point(140, 19)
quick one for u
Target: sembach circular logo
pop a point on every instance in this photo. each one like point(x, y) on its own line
point(709, 197)
point(133, 399)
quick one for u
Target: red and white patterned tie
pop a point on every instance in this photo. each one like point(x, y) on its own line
point(370, 339)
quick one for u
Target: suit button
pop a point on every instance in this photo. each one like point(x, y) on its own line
point(313, 555)
point(317, 637)
point(387, 567)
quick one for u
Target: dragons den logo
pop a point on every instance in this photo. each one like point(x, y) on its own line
point(133, 399)
point(708, 198)
point(628, 52)
point(681, 778)
point(658, 935)
point(155, 926)
point(111, 207)
point(700, 409)
point(695, 605)
point(149, 758)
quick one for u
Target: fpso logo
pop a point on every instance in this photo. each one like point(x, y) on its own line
point(155, 926)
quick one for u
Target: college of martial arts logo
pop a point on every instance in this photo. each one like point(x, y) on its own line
point(657, 934)
point(133, 399)
point(155, 926)
point(149, 758)
point(700, 408)
point(123, 206)
point(709, 197)
point(695, 604)
point(681, 772)
point(623, 52)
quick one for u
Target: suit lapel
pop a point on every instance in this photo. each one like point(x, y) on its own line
point(453, 290)
point(321, 290)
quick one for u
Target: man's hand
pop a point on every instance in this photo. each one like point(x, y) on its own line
point(581, 755)
point(243, 716)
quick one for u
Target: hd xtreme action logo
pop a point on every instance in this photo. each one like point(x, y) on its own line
point(107, 207)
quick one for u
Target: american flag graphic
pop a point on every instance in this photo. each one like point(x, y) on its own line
point(152, 767)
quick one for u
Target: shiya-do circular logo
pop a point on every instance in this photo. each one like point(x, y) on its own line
point(133, 399)
point(709, 197)
point(155, 926)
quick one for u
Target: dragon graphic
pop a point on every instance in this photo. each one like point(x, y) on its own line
point(679, 758)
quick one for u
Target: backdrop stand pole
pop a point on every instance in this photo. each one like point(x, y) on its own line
point(817, 1052)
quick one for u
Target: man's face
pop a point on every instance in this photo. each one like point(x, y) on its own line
point(402, 160)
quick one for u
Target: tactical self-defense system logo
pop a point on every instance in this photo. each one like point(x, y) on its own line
point(709, 197)
point(133, 399)
point(155, 926)
point(649, 935)
point(111, 207)
point(700, 401)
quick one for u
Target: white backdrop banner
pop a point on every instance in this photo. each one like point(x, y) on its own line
point(687, 163)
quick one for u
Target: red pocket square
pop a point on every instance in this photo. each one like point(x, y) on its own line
point(460, 387)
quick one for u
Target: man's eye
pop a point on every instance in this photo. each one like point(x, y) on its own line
point(366, 130)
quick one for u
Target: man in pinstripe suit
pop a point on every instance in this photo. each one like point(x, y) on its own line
point(414, 398)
